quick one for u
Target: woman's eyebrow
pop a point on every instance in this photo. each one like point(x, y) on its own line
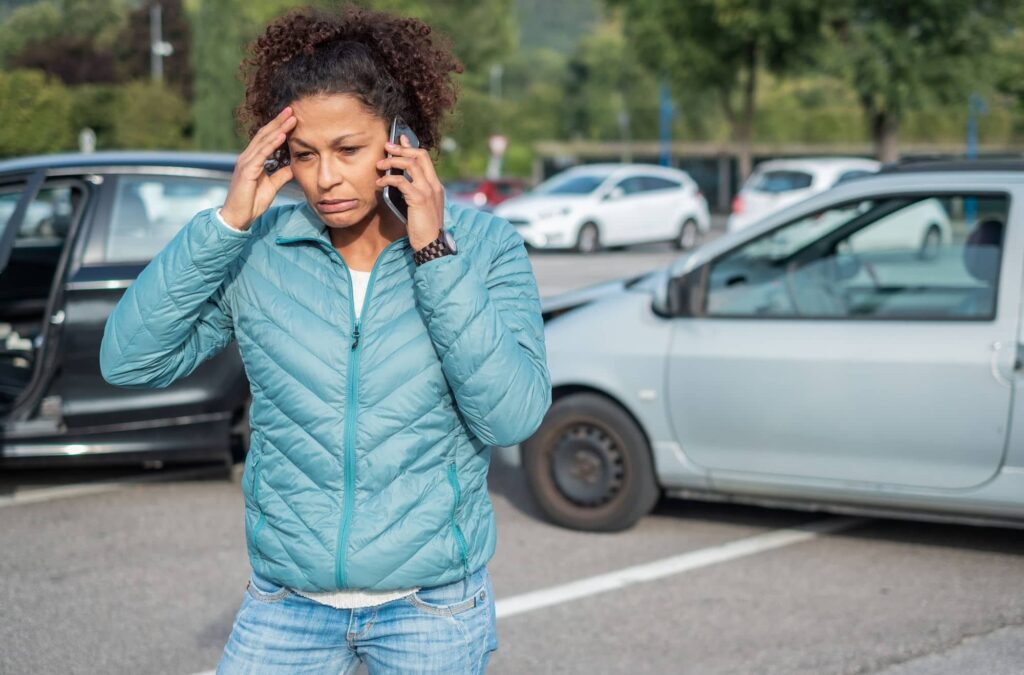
point(339, 139)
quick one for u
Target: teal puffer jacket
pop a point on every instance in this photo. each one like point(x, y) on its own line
point(371, 439)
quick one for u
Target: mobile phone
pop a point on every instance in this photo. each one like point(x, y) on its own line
point(393, 197)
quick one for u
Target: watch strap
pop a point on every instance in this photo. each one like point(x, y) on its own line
point(435, 249)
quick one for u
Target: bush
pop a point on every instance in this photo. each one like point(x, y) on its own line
point(36, 114)
point(150, 117)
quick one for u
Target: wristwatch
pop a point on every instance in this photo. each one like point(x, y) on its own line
point(442, 246)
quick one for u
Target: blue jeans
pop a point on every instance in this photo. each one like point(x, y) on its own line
point(442, 629)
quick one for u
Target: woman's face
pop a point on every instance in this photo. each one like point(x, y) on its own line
point(334, 149)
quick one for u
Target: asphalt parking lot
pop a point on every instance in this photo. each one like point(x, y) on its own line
point(143, 571)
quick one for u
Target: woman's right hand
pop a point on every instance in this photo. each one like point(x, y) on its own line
point(252, 190)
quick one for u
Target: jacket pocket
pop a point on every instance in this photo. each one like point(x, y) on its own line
point(453, 479)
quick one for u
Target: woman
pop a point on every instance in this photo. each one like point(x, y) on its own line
point(385, 359)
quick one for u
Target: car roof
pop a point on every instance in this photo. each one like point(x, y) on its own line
point(954, 165)
point(817, 163)
point(218, 161)
point(610, 168)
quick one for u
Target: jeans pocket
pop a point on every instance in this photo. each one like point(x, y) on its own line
point(265, 590)
point(455, 598)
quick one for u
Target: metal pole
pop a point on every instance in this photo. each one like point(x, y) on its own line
point(665, 105)
point(156, 61)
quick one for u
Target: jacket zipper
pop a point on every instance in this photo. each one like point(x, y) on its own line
point(453, 478)
point(340, 575)
point(256, 498)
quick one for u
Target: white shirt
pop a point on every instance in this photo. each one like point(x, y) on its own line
point(358, 598)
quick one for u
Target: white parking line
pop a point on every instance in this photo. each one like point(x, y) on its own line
point(602, 583)
point(685, 562)
point(36, 495)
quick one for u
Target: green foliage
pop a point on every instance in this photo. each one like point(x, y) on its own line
point(150, 116)
point(36, 112)
point(96, 106)
point(218, 43)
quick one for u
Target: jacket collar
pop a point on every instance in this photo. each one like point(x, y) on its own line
point(304, 225)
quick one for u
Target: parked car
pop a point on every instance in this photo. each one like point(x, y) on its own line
point(776, 184)
point(923, 226)
point(783, 364)
point(597, 205)
point(484, 193)
point(76, 231)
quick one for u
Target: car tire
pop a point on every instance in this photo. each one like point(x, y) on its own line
point(589, 465)
point(588, 239)
point(689, 235)
point(931, 243)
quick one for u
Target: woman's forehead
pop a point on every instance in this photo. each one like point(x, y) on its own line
point(325, 117)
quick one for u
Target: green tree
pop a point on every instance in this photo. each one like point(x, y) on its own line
point(150, 116)
point(899, 56)
point(722, 46)
point(219, 36)
point(36, 114)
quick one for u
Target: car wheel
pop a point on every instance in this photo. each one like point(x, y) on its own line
point(931, 243)
point(589, 239)
point(688, 235)
point(589, 465)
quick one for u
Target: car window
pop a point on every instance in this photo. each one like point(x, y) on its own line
point(890, 258)
point(632, 185)
point(460, 186)
point(9, 196)
point(656, 183)
point(571, 185)
point(507, 189)
point(851, 174)
point(149, 210)
point(47, 218)
point(781, 181)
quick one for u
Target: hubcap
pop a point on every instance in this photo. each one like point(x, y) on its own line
point(587, 465)
point(688, 237)
point(588, 239)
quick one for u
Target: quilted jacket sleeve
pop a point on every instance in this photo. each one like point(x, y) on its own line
point(174, 315)
point(489, 335)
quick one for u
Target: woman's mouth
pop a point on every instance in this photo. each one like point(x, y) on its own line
point(336, 205)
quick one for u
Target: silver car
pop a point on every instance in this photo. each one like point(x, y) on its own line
point(789, 363)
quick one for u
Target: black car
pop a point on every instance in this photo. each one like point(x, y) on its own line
point(75, 231)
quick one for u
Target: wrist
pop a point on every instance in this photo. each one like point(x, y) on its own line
point(418, 243)
point(233, 221)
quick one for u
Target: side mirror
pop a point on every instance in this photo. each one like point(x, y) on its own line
point(682, 295)
point(615, 193)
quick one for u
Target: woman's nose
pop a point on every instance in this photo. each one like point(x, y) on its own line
point(328, 175)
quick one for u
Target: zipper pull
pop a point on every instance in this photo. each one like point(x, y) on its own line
point(355, 341)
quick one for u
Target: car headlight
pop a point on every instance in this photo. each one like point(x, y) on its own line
point(563, 211)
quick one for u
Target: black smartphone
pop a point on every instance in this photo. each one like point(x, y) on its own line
point(393, 197)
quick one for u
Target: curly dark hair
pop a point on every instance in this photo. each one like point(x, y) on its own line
point(393, 65)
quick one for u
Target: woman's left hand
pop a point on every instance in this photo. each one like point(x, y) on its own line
point(424, 195)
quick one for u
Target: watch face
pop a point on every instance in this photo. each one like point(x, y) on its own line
point(449, 240)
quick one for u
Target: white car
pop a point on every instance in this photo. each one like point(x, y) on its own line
point(776, 184)
point(921, 225)
point(596, 205)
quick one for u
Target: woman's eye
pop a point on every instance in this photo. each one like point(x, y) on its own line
point(303, 155)
point(350, 150)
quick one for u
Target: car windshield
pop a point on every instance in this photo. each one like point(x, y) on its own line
point(575, 184)
point(781, 181)
point(464, 186)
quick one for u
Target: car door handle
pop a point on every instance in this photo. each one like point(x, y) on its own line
point(997, 347)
